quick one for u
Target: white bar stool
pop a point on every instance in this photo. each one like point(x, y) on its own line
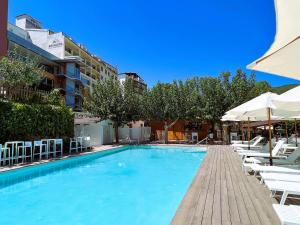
point(27, 146)
point(73, 141)
point(59, 142)
point(40, 146)
point(3, 153)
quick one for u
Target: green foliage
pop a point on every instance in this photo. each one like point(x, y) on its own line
point(241, 86)
point(196, 99)
point(55, 98)
point(281, 89)
point(114, 101)
point(204, 98)
point(29, 122)
point(213, 95)
point(17, 71)
point(259, 88)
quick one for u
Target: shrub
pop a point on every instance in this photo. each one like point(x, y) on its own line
point(31, 122)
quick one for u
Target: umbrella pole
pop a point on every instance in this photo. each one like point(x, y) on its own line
point(296, 133)
point(286, 132)
point(243, 138)
point(270, 136)
point(249, 134)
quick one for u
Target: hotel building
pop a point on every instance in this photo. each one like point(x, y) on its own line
point(68, 66)
point(55, 74)
point(78, 59)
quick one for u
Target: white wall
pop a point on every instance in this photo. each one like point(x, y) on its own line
point(100, 133)
point(103, 133)
point(139, 134)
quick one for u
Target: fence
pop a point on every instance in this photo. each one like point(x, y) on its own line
point(22, 94)
point(139, 134)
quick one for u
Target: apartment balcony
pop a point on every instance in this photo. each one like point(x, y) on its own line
point(79, 92)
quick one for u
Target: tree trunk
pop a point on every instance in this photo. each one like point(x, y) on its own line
point(117, 133)
point(166, 128)
point(213, 128)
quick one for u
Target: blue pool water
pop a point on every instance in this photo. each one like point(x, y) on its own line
point(129, 186)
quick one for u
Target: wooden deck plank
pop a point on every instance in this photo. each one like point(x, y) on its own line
point(208, 209)
point(196, 195)
point(258, 195)
point(222, 194)
point(233, 206)
point(217, 211)
point(225, 206)
point(203, 193)
point(247, 206)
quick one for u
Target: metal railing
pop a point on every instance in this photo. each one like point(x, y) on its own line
point(205, 140)
point(22, 94)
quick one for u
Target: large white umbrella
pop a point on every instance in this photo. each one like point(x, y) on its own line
point(260, 107)
point(256, 107)
point(289, 100)
point(283, 56)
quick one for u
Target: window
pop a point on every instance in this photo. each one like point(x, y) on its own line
point(69, 50)
point(102, 68)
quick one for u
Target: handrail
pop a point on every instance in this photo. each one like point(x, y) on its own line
point(205, 139)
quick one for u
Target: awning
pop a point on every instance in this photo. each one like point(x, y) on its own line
point(283, 56)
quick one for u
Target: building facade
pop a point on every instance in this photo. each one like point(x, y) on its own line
point(56, 72)
point(90, 68)
point(139, 84)
point(69, 66)
point(3, 27)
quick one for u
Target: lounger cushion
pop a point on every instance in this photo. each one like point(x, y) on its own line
point(288, 215)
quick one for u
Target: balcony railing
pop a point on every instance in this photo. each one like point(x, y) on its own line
point(22, 94)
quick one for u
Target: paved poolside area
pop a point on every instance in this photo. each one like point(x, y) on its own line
point(65, 156)
point(222, 194)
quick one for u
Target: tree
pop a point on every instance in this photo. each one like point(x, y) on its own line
point(55, 98)
point(213, 96)
point(259, 88)
point(114, 101)
point(170, 102)
point(16, 71)
point(240, 87)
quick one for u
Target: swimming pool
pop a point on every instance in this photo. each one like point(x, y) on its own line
point(126, 186)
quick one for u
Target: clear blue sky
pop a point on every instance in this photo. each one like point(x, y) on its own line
point(164, 40)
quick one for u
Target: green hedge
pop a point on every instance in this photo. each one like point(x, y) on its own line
point(31, 122)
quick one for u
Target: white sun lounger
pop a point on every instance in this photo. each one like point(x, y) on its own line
point(288, 214)
point(288, 188)
point(275, 152)
point(244, 142)
point(280, 177)
point(252, 146)
point(270, 169)
point(290, 159)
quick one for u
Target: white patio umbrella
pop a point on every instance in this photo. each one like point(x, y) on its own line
point(283, 56)
point(290, 100)
point(260, 108)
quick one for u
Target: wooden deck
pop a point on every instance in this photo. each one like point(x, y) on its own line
point(222, 194)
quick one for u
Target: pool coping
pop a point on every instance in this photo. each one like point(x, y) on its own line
point(95, 150)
